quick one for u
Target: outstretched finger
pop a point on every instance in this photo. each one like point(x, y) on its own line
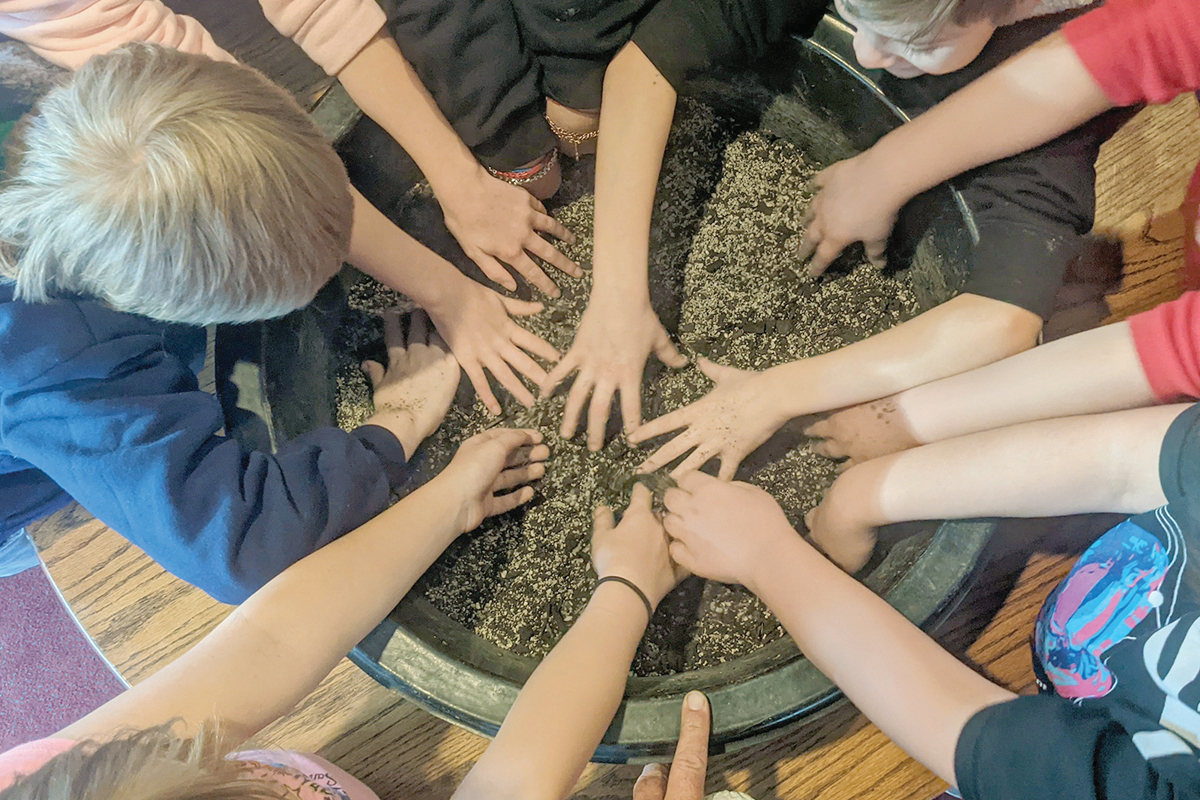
point(551, 255)
point(522, 363)
point(668, 452)
point(542, 221)
point(518, 476)
point(689, 767)
point(479, 380)
point(680, 554)
point(699, 457)
point(503, 503)
point(652, 783)
point(827, 251)
point(374, 372)
point(513, 438)
point(535, 275)
point(809, 241)
point(679, 418)
point(393, 332)
point(580, 390)
point(602, 519)
point(531, 342)
point(506, 378)
point(495, 270)
point(876, 252)
point(631, 404)
point(526, 454)
point(668, 353)
point(598, 410)
point(639, 499)
point(520, 308)
point(568, 364)
point(728, 468)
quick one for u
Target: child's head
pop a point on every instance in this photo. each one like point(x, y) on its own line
point(150, 764)
point(918, 37)
point(173, 186)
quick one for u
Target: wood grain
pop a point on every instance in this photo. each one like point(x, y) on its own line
point(142, 618)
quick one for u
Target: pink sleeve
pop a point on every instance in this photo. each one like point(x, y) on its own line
point(69, 32)
point(331, 31)
point(28, 758)
point(1140, 50)
point(1167, 339)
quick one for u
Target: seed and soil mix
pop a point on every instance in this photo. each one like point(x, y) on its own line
point(726, 281)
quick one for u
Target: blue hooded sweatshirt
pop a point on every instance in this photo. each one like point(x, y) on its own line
point(104, 407)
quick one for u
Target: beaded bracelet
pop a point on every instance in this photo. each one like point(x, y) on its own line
point(631, 585)
point(521, 178)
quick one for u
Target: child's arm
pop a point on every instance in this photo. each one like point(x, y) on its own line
point(1091, 372)
point(474, 320)
point(567, 704)
point(274, 648)
point(1120, 54)
point(745, 408)
point(619, 329)
point(495, 222)
point(1073, 465)
point(915, 691)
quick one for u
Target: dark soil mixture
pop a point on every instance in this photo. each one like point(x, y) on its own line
point(726, 281)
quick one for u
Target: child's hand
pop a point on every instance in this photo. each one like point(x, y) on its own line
point(839, 526)
point(852, 206)
point(477, 325)
point(498, 223)
point(636, 549)
point(489, 463)
point(728, 423)
point(860, 433)
point(610, 352)
point(723, 530)
point(413, 393)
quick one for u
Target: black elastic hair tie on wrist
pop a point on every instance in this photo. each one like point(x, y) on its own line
point(641, 595)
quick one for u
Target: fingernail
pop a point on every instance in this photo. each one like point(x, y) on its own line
point(695, 700)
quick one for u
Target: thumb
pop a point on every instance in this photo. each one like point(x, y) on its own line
point(519, 308)
point(668, 353)
point(374, 372)
point(715, 372)
point(688, 768)
point(652, 783)
point(603, 519)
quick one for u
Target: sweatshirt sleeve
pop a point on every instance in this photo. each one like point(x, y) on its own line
point(69, 32)
point(331, 32)
point(1167, 339)
point(1140, 50)
point(681, 37)
point(124, 429)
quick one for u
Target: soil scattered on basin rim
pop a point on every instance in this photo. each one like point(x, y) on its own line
point(726, 281)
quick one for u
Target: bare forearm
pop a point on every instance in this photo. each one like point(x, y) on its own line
point(388, 90)
point(1103, 462)
point(1035, 96)
point(385, 252)
point(921, 700)
point(565, 706)
point(635, 120)
point(1088, 373)
point(959, 335)
point(263, 659)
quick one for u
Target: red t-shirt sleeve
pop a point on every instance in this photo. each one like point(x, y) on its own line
point(1167, 339)
point(1140, 50)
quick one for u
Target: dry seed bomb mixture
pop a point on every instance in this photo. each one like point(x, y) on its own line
point(725, 278)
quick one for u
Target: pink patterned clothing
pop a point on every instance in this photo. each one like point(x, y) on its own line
point(306, 776)
point(69, 32)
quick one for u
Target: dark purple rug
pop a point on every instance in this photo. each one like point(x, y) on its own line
point(50, 675)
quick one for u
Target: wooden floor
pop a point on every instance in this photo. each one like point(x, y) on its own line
point(142, 618)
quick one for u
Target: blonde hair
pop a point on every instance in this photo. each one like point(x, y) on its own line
point(151, 764)
point(930, 16)
point(173, 186)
